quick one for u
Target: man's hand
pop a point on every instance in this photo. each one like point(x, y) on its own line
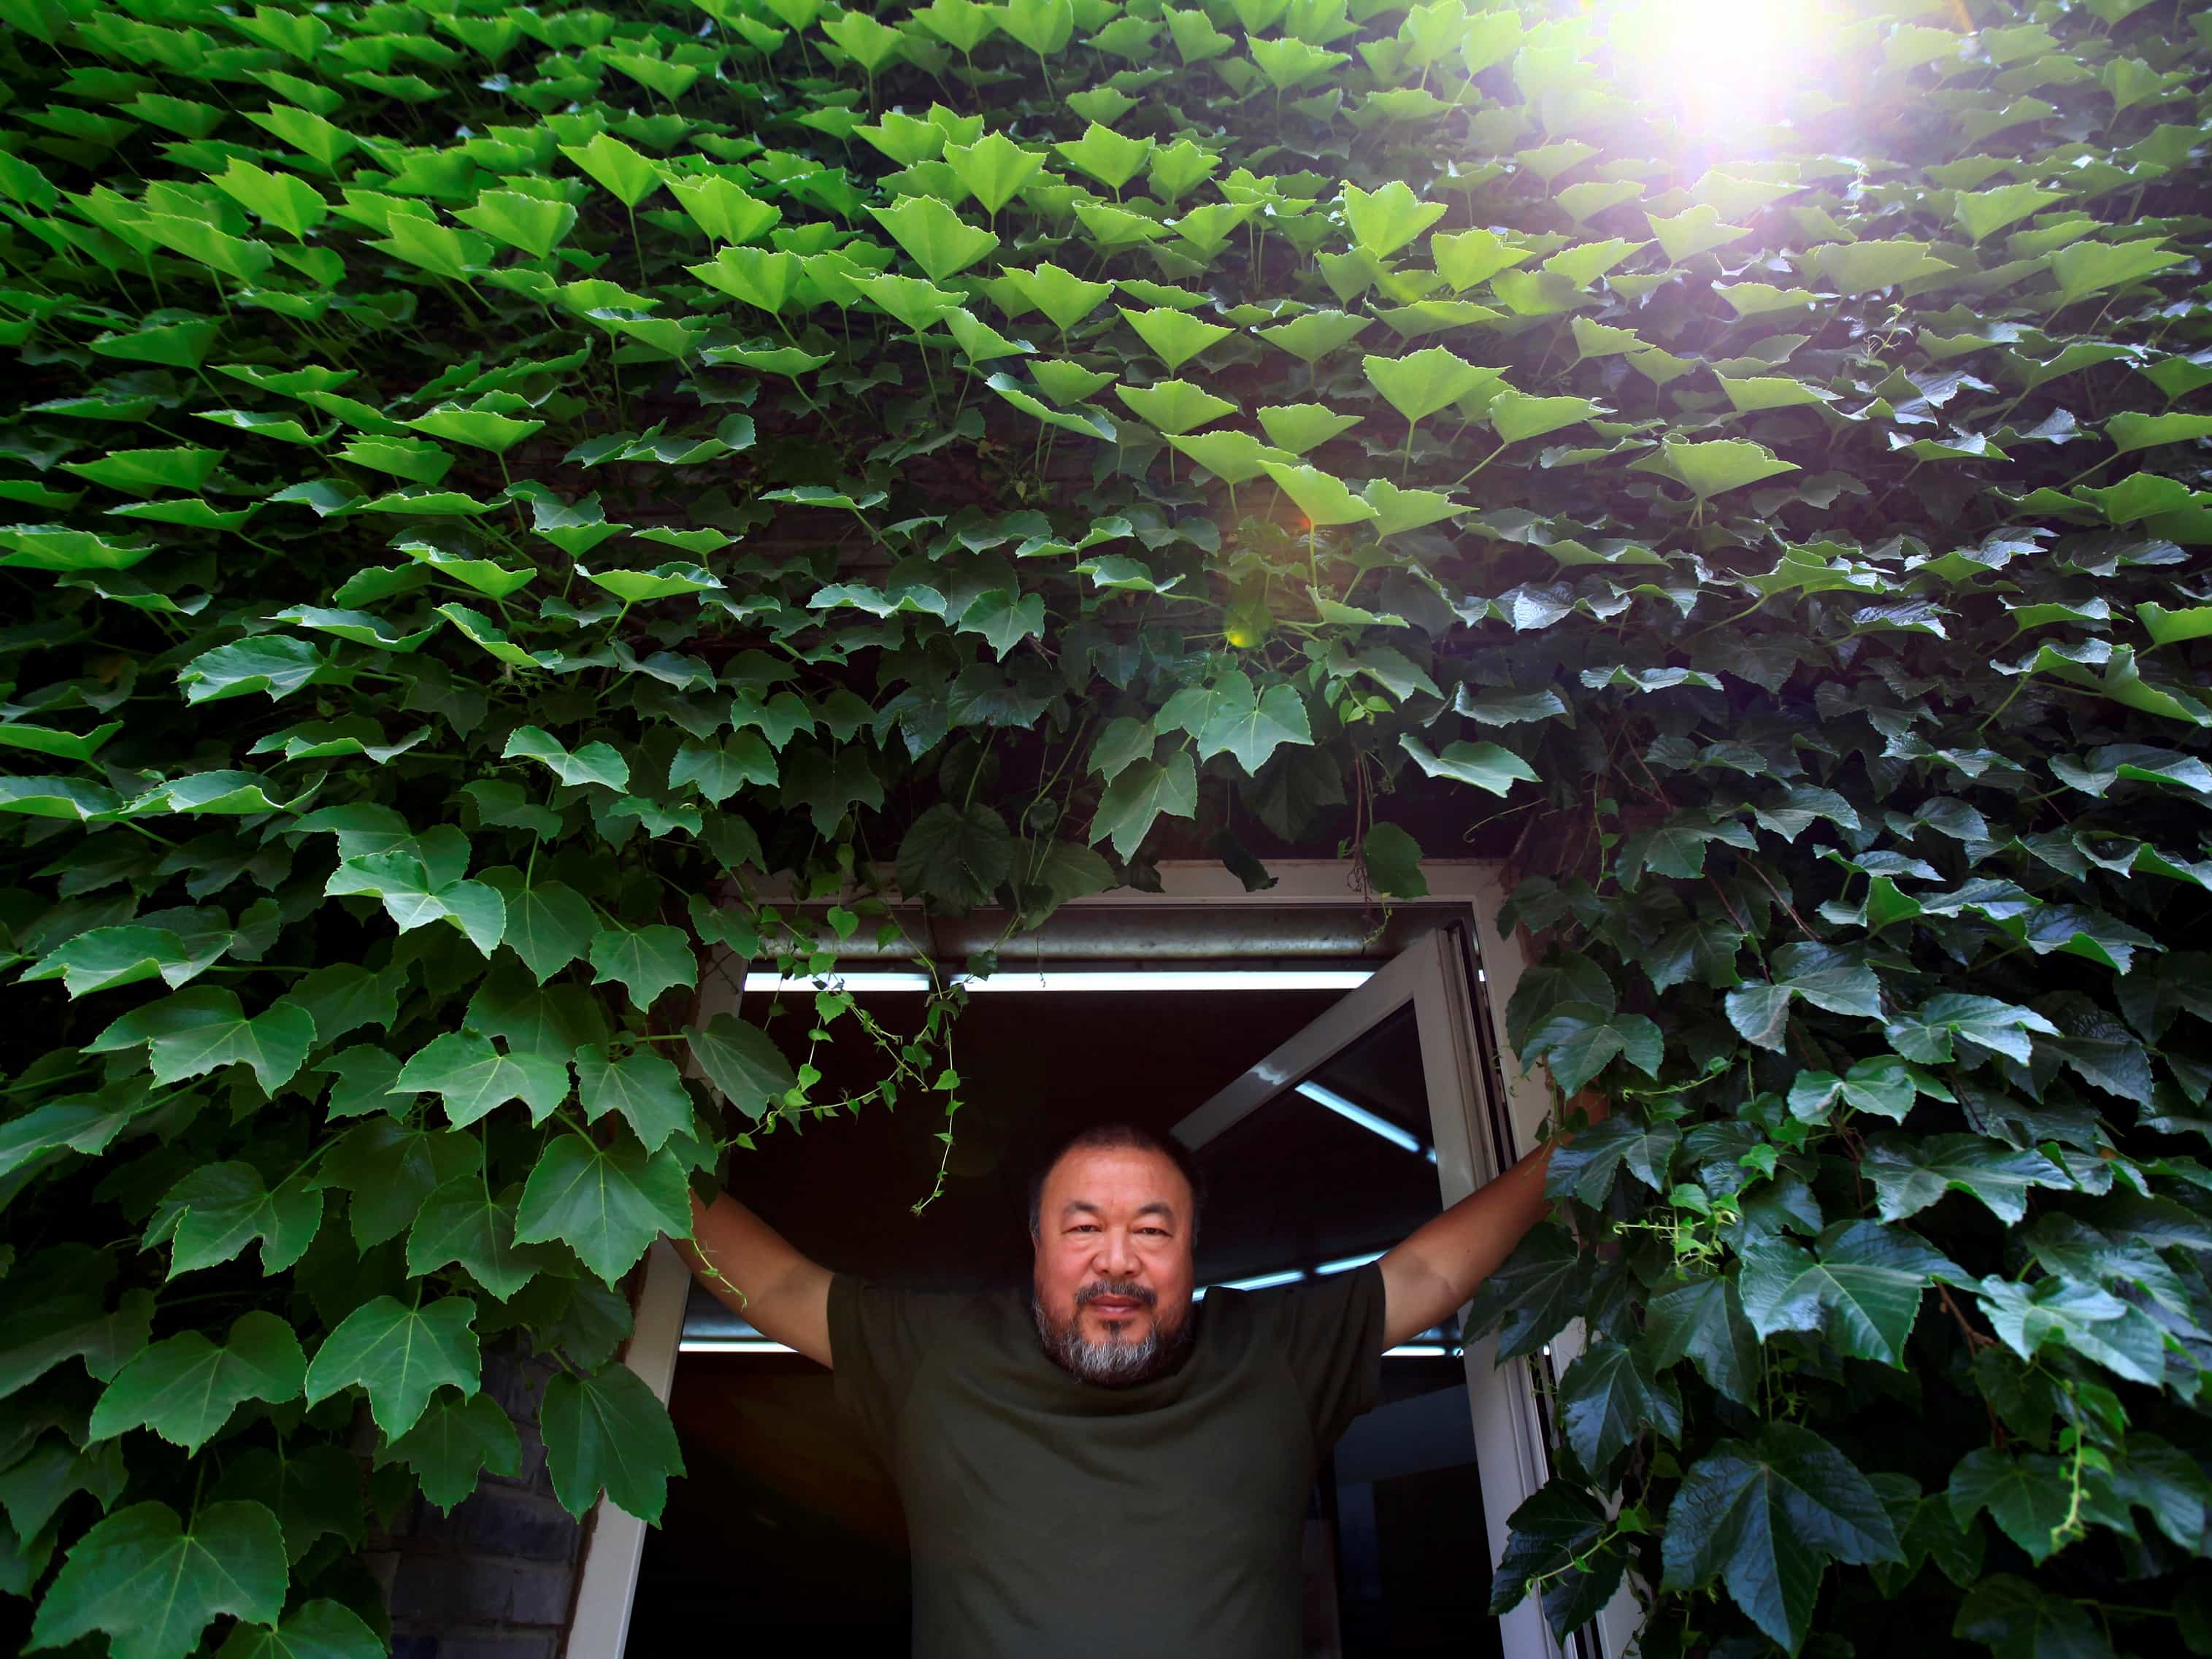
point(753, 1271)
point(1435, 1269)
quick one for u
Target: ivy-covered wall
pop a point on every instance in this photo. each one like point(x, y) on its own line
point(489, 482)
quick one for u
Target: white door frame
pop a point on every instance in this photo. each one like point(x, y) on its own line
point(1469, 891)
point(1429, 976)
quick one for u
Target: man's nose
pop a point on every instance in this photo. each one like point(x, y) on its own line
point(1117, 1253)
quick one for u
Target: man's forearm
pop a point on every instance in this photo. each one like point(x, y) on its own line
point(753, 1271)
point(1437, 1267)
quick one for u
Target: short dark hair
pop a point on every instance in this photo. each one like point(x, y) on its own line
point(1113, 1138)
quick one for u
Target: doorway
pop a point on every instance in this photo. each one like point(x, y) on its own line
point(1391, 1071)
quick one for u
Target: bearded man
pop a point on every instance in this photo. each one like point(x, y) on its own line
point(1111, 1464)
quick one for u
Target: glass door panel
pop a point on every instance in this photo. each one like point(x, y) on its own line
point(1318, 1160)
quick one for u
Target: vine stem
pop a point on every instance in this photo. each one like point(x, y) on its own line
point(1976, 1341)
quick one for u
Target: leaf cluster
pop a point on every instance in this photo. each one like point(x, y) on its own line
point(572, 470)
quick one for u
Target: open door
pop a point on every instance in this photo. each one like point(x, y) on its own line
point(1319, 1157)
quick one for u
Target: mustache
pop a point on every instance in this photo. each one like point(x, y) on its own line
point(1127, 1289)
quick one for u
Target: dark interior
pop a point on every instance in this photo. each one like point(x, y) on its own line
point(786, 1525)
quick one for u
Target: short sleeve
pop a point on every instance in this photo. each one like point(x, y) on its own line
point(879, 1338)
point(1331, 1332)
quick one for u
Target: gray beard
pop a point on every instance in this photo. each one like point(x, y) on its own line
point(1114, 1362)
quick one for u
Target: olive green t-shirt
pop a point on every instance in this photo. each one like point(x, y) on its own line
point(1054, 1517)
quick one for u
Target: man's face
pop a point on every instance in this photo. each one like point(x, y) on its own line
point(1114, 1272)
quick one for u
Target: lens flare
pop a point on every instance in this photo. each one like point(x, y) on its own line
point(1723, 66)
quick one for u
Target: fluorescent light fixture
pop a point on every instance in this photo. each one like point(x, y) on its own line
point(1348, 1263)
point(1359, 1115)
point(1263, 1281)
point(731, 1345)
point(743, 1345)
point(866, 981)
point(1166, 979)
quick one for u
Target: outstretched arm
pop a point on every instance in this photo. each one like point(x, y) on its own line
point(1437, 1267)
point(755, 1272)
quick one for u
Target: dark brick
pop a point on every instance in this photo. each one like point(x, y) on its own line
point(531, 1470)
point(473, 1646)
point(498, 1521)
point(540, 1594)
point(440, 1594)
point(517, 1386)
point(496, 1578)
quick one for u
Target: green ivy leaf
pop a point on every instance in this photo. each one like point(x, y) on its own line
point(1766, 1516)
point(1927, 1033)
point(607, 1204)
point(1609, 1398)
point(153, 1586)
point(1139, 794)
point(595, 762)
point(471, 1077)
point(1300, 426)
point(1579, 1040)
point(1486, 765)
point(549, 923)
point(993, 169)
point(2086, 268)
point(614, 168)
point(743, 1061)
point(1173, 406)
point(1062, 295)
point(2027, 1494)
point(1175, 336)
point(1703, 1321)
point(1392, 861)
point(2017, 1620)
point(1422, 382)
point(645, 960)
point(1587, 1166)
point(957, 856)
point(413, 897)
point(461, 1221)
point(313, 1490)
point(1911, 1173)
point(184, 1388)
point(608, 1431)
point(1385, 220)
point(400, 1355)
point(1315, 334)
point(1714, 467)
point(1542, 1285)
point(2081, 1318)
point(1322, 497)
point(1251, 724)
point(316, 1629)
point(1557, 1540)
point(1862, 1287)
point(1234, 457)
point(645, 1089)
point(937, 238)
point(456, 1437)
point(215, 1211)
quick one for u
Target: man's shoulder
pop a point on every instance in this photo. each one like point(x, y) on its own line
point(1324, 1296)
point(923, 1306)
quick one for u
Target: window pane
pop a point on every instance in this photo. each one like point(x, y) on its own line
point(1334, 1169)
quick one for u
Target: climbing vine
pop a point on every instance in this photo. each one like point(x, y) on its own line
point(502, 493)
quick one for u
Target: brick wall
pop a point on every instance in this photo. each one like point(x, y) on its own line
point(496, 1578)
